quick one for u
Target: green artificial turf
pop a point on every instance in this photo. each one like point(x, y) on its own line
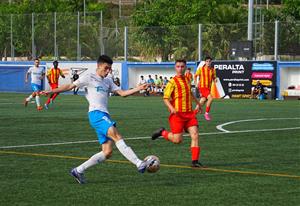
point(257, 167)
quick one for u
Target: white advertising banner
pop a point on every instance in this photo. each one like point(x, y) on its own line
point(82, 68)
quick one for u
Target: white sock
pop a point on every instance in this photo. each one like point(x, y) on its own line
point(37, 99)
point(29, 98)
point(95, 159)
point(128, 152)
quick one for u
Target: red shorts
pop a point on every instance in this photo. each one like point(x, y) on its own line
point(53, 85)
point(182, 121)
point(204, 92)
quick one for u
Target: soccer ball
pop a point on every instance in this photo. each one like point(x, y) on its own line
point(154, 166)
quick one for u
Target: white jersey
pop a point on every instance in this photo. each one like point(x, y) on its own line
point(97, 90)
point(36, 74)
point(142, 81)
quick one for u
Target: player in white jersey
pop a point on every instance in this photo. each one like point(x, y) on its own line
point(98, 87)
point(37, 73)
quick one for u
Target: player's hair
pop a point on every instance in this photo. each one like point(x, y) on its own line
point(208, 58)
point(180, 60)
point(55, 62)
point(37, 59)
point(104, 59)
point(189, 68)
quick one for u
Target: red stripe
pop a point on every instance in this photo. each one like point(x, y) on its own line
point(187, 95)
point(179, 97)
point(209, 78)
point(203, 77)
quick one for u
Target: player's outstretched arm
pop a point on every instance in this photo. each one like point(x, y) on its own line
point(125, 93)
point(63, 88)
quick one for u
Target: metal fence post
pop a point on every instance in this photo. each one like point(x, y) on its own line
point(199, 42)
point(12, 51)
point(55, 43)
point(125, 43)
point(78, 36)
point(250, 20)
point(276, 41)
point(32, 37)
point(101, 34)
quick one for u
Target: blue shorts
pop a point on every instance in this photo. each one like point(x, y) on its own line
point(36, 87)
point(101, 122)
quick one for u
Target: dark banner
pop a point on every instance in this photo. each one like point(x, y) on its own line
point(236, 78)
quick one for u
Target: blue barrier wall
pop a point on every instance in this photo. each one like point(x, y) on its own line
point(12, 76)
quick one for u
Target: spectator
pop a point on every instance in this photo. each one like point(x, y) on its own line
point(157, 84)
point(74, 78)
point(257, 91)
point(117, 81)
point(150, 81)
point(141, 82)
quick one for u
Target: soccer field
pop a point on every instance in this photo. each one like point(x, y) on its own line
point(250, 162)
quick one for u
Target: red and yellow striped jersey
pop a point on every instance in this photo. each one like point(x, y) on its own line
point(189, 77)
point(53, 75)
point(206, 75)
point(178, 90)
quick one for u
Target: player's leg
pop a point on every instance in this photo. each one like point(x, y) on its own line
point(54, 96)
point(98, 157)
point(175, 136)
point(78, 172)
point(37, 89)
point(125, 150)
point(38, 101)
point(208, 106)
point(195, 148)
point(32, 95)
point(106, 130)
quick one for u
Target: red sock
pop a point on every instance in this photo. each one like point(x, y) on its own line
point(165, 134)
point(207, 109)
point(54, 96)
point(195, 153)
point(48, 100)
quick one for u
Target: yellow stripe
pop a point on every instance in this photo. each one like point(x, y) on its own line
point(176, 96)
point(183, 92)
point(162, 165)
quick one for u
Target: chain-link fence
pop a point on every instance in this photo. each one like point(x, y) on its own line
point(73, 36)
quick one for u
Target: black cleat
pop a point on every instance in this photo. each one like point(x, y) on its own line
point(157, 133)
point(197, 164)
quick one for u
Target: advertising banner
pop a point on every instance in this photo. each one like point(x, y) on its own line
point(81, 68)
point(235, 79)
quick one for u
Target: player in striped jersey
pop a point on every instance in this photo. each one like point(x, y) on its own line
point(53, 76)
point(206, 75)
point(178, 99)
point(189, 75)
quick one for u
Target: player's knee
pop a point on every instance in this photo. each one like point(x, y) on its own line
point(108, 153)
point(194, 135)
point(177, 140)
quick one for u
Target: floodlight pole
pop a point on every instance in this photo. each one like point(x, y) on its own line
point(199, 42)
point(32, 37)
point(125, 43)
point(250, 20)
point(276, 41)
point(78, 36)
point(84, 11)
point(101, 33)
point(55, 42)
point(12, 52)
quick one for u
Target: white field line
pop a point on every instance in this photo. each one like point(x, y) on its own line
point(148, 137)
point(220, 127)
